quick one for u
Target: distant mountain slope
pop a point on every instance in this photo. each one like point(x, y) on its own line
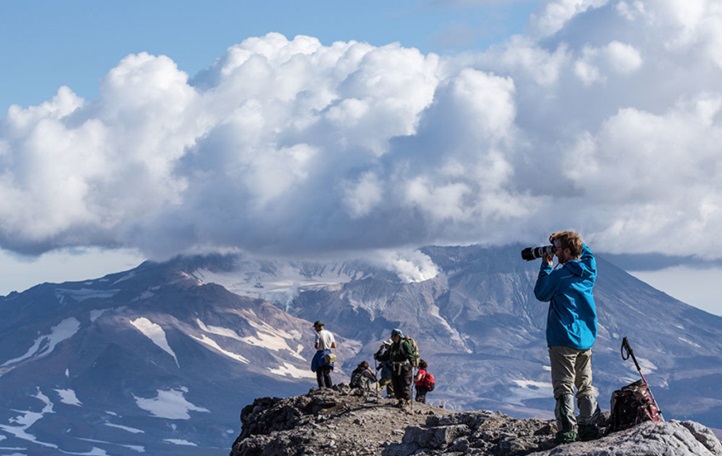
point(163, 357)
point(148, 359)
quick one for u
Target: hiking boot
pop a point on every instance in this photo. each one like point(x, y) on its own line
point(565, 437)
point(588, 432)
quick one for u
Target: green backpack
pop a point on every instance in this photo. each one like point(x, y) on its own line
point(414, 351)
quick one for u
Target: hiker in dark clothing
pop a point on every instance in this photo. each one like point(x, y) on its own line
point(362, 376)
point(385, 369)
point(400, 354)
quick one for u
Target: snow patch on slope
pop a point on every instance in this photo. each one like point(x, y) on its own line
point(20, 424)
point(292, 371)
point(155, 333)
point(214, 345)
point(277, 281)
point(170, 404)
point(125, 428)
point(44, 345)
point(529, 389)
point(266, 337)
point(84, 293)
point(96, 313)
point(67, 396)
point(180, 442)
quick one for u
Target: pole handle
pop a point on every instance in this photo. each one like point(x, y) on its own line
point(626, 349)
point(627, 352)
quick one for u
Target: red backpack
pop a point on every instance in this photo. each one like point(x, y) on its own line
point(429, 381)
point(631, 405)
point(634, 403)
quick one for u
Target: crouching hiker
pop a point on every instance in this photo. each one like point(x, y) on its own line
point(401, 356)
point(362, 376)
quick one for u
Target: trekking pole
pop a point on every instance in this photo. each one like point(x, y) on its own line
point(627, 353)
point(376, 377)
point(413, 387)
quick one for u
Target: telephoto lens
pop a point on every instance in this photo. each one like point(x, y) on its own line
point(532, 253)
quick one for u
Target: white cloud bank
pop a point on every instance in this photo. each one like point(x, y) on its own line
point(606, 118)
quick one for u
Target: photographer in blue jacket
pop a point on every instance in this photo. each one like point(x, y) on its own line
point(571, 331)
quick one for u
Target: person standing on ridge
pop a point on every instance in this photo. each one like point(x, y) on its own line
point(385, 370)
point(571, 332)
point(323, 360)
point(400, 354)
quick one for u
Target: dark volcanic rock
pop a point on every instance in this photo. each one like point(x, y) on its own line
point(341, 421)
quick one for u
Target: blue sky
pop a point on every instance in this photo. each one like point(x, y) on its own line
point(76, 42)
point(132, 130)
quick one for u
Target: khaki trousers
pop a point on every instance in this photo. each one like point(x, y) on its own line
point(573, 369)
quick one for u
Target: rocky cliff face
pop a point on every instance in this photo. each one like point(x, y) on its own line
point(342, 421)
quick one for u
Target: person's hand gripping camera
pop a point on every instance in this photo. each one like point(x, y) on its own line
point(548, 257)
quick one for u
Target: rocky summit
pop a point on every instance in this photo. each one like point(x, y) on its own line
point(350, 422)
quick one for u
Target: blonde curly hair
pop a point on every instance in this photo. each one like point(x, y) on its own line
point(568, 240)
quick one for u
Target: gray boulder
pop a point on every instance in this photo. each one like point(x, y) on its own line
point(673, 438)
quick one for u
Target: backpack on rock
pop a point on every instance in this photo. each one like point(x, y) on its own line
point(356, 378)
point(634, 403)
point(631, 405)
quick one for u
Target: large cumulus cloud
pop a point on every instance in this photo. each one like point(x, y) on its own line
point(605, 118)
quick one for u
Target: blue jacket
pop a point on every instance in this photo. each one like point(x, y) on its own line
point(319, 360)
point(572, 318)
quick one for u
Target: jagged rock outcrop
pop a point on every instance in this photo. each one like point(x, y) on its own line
point(342, 421)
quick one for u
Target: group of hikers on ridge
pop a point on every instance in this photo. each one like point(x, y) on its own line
point(571, 331)
point(396, 359)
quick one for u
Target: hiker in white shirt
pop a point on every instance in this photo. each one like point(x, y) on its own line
point(321, 363)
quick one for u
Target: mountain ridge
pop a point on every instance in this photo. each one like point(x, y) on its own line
point(166, 354)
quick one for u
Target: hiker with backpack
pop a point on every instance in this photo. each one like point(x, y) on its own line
point(362, 376)
point(424, 382)
point(403, 355)
point(571, 332)
point(323, 361)
point(384, 368)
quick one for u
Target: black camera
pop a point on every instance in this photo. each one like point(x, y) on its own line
point(532, 253)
